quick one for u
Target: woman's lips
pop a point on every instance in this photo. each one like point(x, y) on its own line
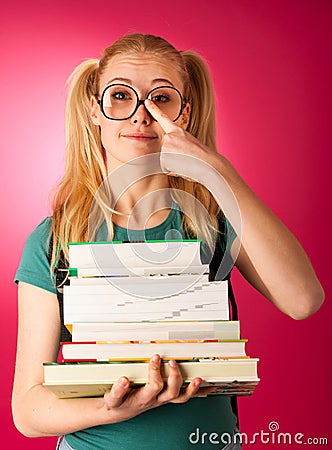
point(139, 136)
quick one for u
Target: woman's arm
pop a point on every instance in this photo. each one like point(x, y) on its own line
point(38, 412)
point(270, 257)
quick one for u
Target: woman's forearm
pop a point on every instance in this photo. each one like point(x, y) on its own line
point(40, 413)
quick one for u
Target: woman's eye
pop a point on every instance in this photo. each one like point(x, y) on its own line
point(160, 98)
point(121, 96)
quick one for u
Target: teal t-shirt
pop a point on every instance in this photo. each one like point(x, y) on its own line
point(172, 426)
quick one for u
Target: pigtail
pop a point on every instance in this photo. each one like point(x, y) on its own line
point(84, 162)
point(201, 99)
point(79, 127)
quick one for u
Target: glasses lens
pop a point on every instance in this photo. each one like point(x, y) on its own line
point(168, 99)
point(118, 102)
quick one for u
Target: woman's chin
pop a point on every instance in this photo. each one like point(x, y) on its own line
point(134, 157)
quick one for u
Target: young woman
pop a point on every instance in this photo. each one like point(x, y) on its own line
point(141, 100)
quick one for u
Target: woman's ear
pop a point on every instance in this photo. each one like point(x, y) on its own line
point(95, 111)
point(185, 117)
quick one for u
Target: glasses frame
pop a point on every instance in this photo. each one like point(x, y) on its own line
point(140, 102)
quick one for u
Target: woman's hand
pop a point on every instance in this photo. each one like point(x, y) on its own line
point(122, 402)
point(178, 142)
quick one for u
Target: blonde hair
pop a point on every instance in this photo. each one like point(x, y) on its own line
point(85, 168)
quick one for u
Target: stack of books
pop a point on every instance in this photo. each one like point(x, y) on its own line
point(128, 301)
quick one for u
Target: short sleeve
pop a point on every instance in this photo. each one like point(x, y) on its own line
point(34, 267)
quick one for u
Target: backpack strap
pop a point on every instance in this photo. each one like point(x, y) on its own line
point(61, 273)
point(220, 272)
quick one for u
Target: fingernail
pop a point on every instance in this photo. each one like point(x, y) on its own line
point(172, 363)
point(155, 362)
point(156, 358)
point(123, 382)
point(198, 382)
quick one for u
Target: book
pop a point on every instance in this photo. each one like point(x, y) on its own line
point(117, 306)
point(144, 317)
point(111, 303)
point(147, 287)
point(136, 258)
point(104, 280)
point(70, 380)
point(144, 350)
point(166, 330)
point(98, 389)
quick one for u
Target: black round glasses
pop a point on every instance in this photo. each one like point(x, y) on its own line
point(120, 101)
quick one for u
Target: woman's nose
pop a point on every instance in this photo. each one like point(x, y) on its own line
point(141, 115)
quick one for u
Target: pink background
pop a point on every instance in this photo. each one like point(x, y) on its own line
point(271, 64)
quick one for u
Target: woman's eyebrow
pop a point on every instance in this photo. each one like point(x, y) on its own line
point(124, 80)
point(162, 80)
point(128, 81)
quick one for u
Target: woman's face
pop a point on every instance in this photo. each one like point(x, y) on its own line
point(139, 135)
